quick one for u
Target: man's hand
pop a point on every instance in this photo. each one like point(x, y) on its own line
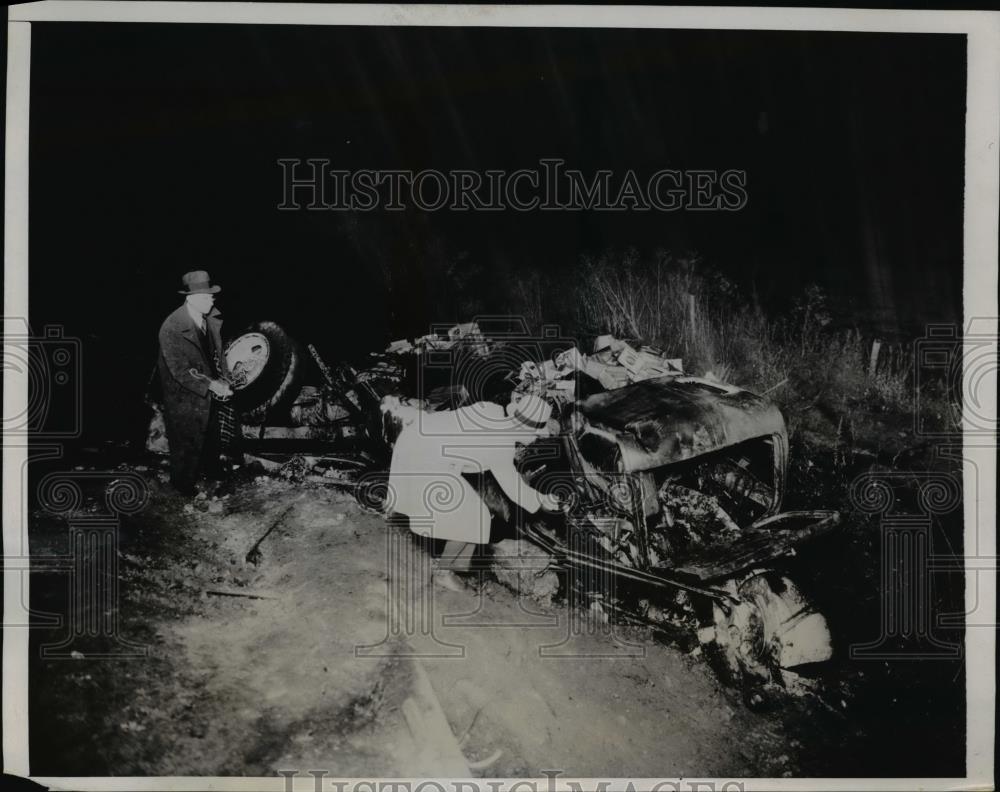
point(221, 389)
point(550, 503)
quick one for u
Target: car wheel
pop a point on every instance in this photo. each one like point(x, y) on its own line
point(265, 368)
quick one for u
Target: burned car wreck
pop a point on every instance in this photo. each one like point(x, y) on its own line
point(671, 485)
point(672, 488)
point(675, 486)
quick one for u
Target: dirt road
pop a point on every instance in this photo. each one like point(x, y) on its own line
point(305, 659)
point(310, 655)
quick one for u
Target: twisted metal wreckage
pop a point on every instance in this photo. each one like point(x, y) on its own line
point(672, 484)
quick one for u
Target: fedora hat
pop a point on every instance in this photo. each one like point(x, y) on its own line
point(532, 411)
point(198, 282)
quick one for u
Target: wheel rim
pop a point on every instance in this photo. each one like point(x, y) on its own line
point(246, 358)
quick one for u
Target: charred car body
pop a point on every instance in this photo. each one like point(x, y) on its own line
point(674, 486)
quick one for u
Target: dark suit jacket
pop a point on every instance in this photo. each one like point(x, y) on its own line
point(187, 403)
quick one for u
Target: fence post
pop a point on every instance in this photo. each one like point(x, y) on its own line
point(691, 315)
point(873, 362)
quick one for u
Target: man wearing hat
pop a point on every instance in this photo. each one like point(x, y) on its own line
point(193, 374)
point(434, 450)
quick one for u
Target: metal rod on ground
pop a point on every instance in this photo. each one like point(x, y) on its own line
point(248, 595)
point(253, 554)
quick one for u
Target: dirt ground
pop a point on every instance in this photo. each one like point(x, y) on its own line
point(240, 686)
point(310, 655)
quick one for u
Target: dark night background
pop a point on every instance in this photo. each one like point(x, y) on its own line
point(154, 151)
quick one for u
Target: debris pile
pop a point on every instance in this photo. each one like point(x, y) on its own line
point(613, 364)
point(692, 520)
point(314, 407)
point(466, 335)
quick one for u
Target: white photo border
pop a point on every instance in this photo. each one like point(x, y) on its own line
point(982, 200)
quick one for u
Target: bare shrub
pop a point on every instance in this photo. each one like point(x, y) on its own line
point(691, 311)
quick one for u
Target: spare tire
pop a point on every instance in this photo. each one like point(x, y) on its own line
point(265, 368)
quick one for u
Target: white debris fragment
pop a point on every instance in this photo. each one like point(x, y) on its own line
point(706, 634)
